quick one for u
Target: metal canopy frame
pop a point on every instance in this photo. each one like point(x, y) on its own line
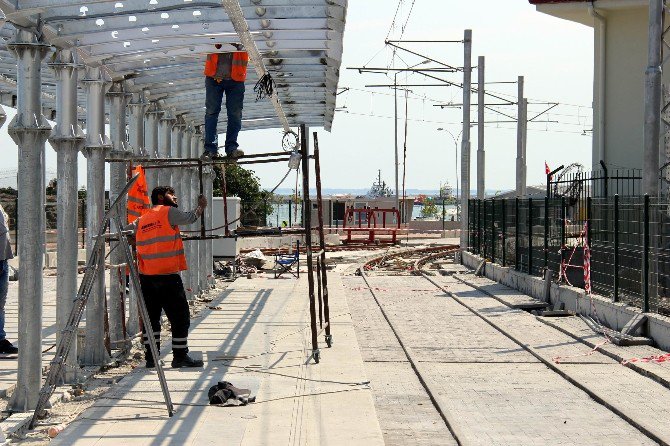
point(159, 46)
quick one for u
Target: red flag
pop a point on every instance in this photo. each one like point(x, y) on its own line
point(547, 170)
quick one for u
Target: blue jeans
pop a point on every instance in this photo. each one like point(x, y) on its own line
point(4, 285)
point(234, 102)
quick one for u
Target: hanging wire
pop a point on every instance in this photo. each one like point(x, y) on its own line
point(264, 87)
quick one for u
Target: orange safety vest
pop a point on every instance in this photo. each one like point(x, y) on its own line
point(238, 71)
point(138, 196)
point(160, 249)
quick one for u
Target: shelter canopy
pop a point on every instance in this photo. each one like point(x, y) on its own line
point(159, 47)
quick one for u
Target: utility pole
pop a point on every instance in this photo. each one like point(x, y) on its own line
point(465, 141)
point(481, 163)
point(652, 99)
point(395, 102)
point(520, 186)
point(524, 145)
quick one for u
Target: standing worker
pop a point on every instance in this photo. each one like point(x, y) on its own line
point(6, 347)
point(160, 254)
point(224, 73)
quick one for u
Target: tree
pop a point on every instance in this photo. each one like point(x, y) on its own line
point(244, 183)
point(429, 208)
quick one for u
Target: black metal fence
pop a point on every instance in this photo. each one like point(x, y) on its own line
point(628, 238)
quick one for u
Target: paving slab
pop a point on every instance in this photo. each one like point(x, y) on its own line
point(503, 395)
point(263, 324)
point(623, 390)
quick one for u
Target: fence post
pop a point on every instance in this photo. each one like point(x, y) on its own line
point(563, 223)
point(83, 223)
point(503, 202)
point(546, 232)
point(645, 255)
point(493, 231)
point(517, 265)
point(290, 212)
point(479, 227)
point(530, 236)
point(616, 248)
point(588, 221)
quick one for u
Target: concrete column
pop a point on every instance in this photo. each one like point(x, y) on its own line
point(178, 173)
point(652, 99)
point(118, 176)
point(165, 124)
point(198, 274)
point(66, 139)
point(29, 130)
point(465, 141)
point(96, 148)
point(151, 117)
point(519, 139)
point(481, 98)
point(186, 204)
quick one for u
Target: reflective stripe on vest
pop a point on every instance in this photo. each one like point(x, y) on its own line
point(160, 249)
point(238, 71)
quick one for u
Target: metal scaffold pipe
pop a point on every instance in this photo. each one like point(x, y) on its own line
point(195, 183)
point(165, 144)
point(186, 203)
point(151, 117)
point(136, 108)
point(208, 258)
point(29, 130)
point(96, 148)
point(465, 142)
point(481, 162)
point(118, 173)
point(66, 139)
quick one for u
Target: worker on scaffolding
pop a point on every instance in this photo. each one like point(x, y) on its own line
point(160, 255)
point(224, 73)
point(6, 347)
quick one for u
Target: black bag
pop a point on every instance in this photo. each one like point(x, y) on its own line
point(224, 391)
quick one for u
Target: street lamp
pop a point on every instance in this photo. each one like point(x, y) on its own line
point(455, 139)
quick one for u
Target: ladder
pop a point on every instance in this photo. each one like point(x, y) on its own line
point(95, 266)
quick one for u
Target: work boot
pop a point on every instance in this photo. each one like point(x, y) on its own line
point(184, 360)
point(7, 348)
point(207, 156)
point(234, 153)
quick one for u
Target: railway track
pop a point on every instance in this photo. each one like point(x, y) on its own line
point(415, 263)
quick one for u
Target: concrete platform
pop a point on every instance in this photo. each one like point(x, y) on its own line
point(263, 323)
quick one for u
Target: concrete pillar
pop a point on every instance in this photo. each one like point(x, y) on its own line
point(465, 141)
point(524, 145)
point(96, 148)
point(118, 176)
point(519, 139)
point(481, 100)
point(29, 130)
point(151, 118)
point(178, 173)
point(165, 124)
point(653, 99)
point(66, 139)
point(186, 204)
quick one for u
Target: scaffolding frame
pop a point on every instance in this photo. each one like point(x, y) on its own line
point(316, 261)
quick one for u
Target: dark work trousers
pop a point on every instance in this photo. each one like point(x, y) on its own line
point(166, 292)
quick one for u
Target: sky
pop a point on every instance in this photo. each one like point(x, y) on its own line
point(554, 56)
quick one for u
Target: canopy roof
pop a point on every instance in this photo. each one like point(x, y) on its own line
point(159, 47)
